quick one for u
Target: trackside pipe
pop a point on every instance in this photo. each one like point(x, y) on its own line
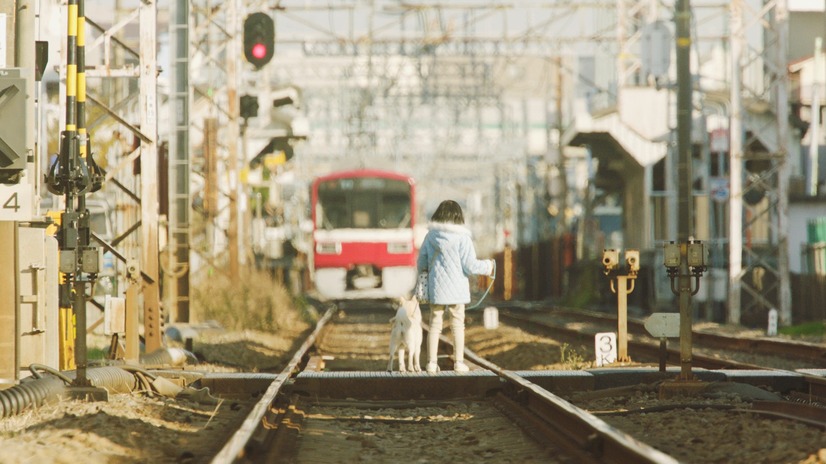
point(21, 397)
point(168, 356)
point(40, 389)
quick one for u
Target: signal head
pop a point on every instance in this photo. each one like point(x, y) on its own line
point(259, 39)
point(610, 260)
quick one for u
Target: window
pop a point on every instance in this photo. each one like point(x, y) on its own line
point(364, 203)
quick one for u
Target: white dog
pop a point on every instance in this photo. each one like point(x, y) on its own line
point(406, 332)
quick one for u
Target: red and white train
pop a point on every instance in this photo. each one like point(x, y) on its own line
point(363, 234)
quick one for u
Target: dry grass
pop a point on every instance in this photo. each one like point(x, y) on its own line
point(252, 301)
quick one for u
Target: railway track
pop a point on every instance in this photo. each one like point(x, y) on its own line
point(321, 408)
point(335, 403)
point(711, 351)
point(332, 401)
point(790, 350)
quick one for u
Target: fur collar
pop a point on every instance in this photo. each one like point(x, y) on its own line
point(448, 227)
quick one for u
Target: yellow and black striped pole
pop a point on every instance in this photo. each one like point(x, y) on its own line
point(74, 181)
point(66, 163)
point(81, 76)
point(80, 189)
point(86, 164)
point(71, 68)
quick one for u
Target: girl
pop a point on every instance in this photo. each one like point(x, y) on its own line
point(447, 253)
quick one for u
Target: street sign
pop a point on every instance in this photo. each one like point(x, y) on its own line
point(718, 142)
point(656, 52)
point(719, 187)
point(663, 325)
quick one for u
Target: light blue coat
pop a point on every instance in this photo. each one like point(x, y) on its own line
point(448, 254)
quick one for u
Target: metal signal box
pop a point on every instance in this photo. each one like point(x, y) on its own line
point(14, 103)
point(671, 255)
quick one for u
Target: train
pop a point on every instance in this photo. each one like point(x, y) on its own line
point(363, 234)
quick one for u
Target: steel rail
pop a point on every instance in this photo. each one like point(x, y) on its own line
point(588, 432)
point(817, 384)
point(650, 349)
point(775, 347)
point(537, 410)
point(236, 446)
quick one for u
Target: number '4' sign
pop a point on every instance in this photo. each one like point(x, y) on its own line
point(16, 202)
point(12, 203)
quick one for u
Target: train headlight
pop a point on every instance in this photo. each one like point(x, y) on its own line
point(399, 247)
point(328, 248)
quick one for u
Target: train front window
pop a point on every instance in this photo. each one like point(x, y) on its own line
point(363, 203)
point(394, 211)
point(332, 212)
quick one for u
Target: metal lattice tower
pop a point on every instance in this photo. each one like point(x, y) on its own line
point(385, 85)
point(176, 293)
point(122, 91)
point(434, 87)
point(214, 53)
point(759, 264)
point(446, 91)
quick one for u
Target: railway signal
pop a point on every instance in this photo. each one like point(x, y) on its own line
point(14, 96)
point(259, 39)
point(615, 269)
point(249, 106)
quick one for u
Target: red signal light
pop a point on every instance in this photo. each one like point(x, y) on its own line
point(259, 51)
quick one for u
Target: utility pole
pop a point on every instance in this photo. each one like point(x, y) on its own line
point(685, 200)
point(233, 135)
point(736, 163)
point(152, 315)
point(685, 260)
point(561, 161)
point(759, 272)
point(780, 94)
point(814, 128)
